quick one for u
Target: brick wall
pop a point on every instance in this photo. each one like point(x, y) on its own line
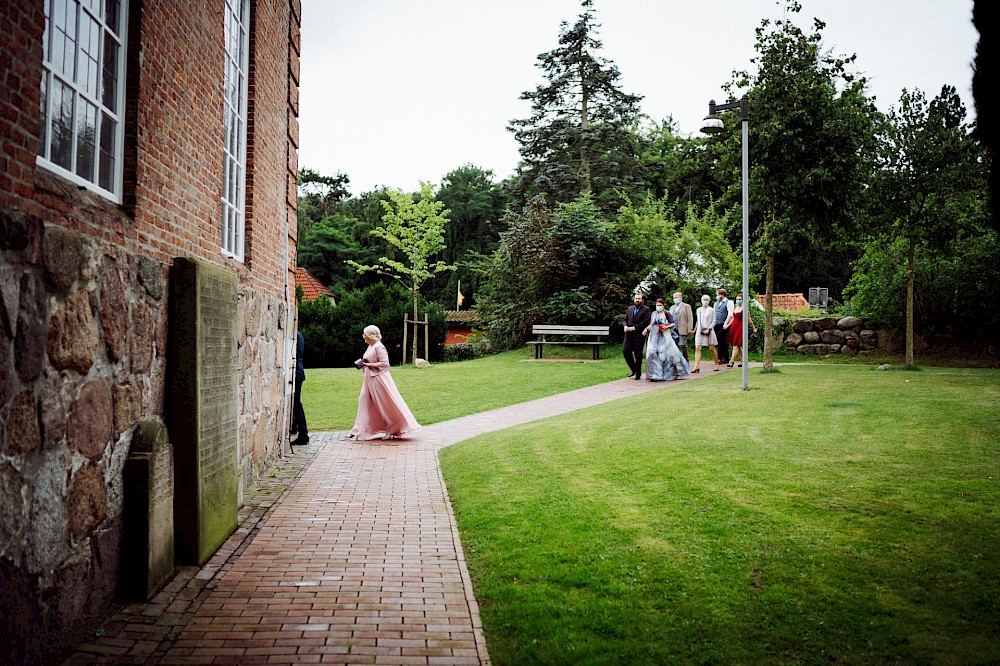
point(83, 313)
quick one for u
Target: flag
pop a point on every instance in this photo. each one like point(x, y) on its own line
point(460, 297)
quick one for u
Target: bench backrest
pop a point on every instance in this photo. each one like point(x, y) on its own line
point(554, 329)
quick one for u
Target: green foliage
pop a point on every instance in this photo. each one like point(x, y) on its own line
point(680, 166)
point(811, 132)
point(466, 351)
point(318, 197)
point(693, 256)
point(325, 250)
point(948, 280)
point(561, 265)
point(928, 212)
point(333, 334)
point(578, 139)
point(416, 229)
point(476, 204)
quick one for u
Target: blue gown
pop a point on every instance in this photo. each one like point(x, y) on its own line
point(664, 360)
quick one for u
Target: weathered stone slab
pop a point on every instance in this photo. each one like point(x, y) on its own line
point(203, 407)
point(72, 337)
point(91, 419)
point(148, 513)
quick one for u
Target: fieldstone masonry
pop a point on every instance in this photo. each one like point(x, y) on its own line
point(84, 296)
point(830, 335)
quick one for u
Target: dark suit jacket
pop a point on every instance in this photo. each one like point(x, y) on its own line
point(300, 350)
point(637, 317)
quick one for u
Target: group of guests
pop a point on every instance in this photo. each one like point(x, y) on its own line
point(664, 333)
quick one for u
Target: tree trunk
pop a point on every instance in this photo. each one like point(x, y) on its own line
point(413, 356)
point(584, 126)
point(768, 315)
point(909, 303)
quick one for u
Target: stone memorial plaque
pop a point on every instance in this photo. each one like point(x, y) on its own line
point(203, 407)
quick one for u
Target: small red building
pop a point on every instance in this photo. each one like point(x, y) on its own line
point(461, 324)
point(311, 287)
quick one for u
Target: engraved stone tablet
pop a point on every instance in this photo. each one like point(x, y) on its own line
point(203, 407)
point(147, 513)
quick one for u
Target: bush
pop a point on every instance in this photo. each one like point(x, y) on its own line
point(466, 351)
point(333, 334)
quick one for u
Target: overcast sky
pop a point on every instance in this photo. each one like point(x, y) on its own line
point(398, 91)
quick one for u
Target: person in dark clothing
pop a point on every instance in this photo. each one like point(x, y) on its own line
point(636, 320)
point(298, 414)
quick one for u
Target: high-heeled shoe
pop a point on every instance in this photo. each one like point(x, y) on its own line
point(696, 370)
point(729, 365)
point(739, 365)
point(716, 368)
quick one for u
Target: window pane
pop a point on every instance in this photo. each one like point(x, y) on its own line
point(86, 67)
point(64, 37)
point(43, 116)
point(86, 140)
point(62, 125)
point(106, 168)
point(109, 95)
point(81, 104)
point(112, 15)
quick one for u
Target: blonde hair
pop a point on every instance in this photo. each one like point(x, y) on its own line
point(372, 332)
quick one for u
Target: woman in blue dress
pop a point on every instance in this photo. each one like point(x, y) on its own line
point(664, 360)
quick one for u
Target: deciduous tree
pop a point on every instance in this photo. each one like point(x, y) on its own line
point(416, 228)
point(810, 136)
point(931, 176)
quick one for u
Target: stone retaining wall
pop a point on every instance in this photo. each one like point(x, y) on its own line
point(832, 335)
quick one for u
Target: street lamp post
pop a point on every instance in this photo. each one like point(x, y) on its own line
point(713, 125)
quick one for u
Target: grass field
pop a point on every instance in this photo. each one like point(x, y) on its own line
point(830, 514)
point(449, 390)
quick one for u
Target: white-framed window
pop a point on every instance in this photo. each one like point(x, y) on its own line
point(83, 93)
point(234, 163)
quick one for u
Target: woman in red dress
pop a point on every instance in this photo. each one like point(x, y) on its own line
point(735, 325)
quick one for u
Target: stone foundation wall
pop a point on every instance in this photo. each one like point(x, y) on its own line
point(832, 335)
point(83, 345)
point(84, 292)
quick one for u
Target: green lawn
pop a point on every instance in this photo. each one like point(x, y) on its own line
point(449, 390)
point(831, 514)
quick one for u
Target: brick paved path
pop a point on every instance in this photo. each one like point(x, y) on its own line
point(358, 561)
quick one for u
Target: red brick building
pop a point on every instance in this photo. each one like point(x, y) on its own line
point(132, 133)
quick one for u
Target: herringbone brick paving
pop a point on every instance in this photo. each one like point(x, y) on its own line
point(349, 554)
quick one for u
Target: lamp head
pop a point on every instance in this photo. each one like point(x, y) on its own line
point(712, 124)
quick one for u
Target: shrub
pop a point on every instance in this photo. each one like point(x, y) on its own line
point(333, 334)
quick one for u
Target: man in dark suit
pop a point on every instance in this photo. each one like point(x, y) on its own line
point(636, 321)
point(298, 414)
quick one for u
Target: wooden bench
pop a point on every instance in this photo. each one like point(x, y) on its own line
point(545, 330)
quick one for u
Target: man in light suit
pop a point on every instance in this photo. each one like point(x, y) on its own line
point(684, 320)
point(636, 320)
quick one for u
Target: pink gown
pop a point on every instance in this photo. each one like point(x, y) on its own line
point(381, 409)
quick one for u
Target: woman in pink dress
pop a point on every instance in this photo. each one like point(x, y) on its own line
point(381, 410)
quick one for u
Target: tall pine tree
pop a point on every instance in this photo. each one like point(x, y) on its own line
point(578, 139)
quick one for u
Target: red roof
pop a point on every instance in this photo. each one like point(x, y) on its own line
point(311, 287)
point(790, 302)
